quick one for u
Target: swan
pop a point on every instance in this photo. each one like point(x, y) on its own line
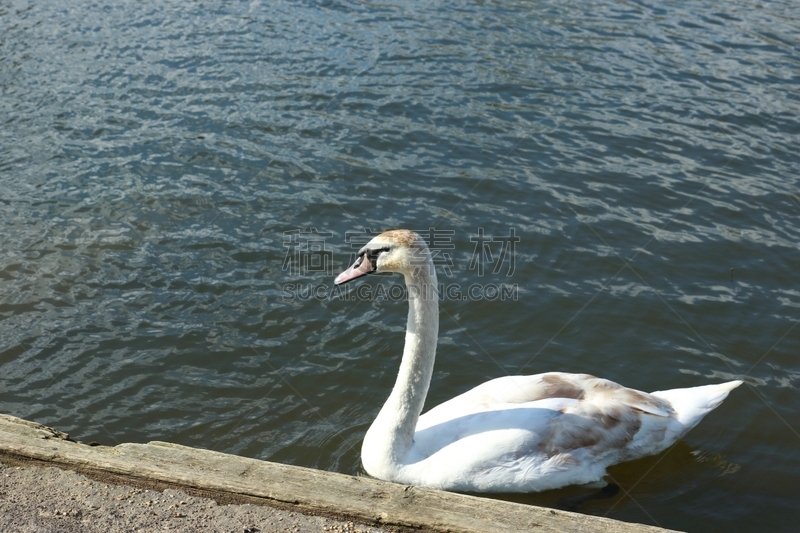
point(514, 433)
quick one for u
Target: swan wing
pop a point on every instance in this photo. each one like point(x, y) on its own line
point(539, 432)
point(598, 423)
point(556, 387)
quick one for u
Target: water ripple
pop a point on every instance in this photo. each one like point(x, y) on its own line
point(153, 157)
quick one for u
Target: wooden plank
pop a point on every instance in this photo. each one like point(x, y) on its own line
point(303, 488)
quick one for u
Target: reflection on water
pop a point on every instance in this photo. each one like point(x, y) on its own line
point(155, 162)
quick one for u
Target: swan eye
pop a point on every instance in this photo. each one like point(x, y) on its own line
point(373, 254)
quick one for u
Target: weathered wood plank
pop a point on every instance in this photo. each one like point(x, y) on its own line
point(307, 489)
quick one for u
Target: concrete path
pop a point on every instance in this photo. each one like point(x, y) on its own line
point(37, 499)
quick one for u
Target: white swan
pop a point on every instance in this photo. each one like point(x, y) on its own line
point(511, 434)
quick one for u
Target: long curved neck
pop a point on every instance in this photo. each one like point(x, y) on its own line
point(391, 436)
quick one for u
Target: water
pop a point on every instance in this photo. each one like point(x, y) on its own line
point(180, 182)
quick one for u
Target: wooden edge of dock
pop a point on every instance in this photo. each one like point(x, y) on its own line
point(238, 479)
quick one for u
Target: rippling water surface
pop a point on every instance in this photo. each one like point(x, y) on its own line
point(180, 182)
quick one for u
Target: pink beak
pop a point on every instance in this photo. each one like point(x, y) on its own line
point(361, 267)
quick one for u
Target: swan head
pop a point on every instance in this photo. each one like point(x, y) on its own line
point(398, 250)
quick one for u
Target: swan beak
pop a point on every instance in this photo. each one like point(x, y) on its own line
point(361, 267)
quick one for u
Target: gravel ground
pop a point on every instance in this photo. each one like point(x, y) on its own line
point(35, 499)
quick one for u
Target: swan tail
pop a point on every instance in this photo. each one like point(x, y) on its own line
point(692, 404)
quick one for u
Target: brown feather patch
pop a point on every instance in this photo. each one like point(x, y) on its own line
point(558, 387)
point(403, 237)
point(587, 426)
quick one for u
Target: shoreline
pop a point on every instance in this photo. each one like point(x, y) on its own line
point(357, 503)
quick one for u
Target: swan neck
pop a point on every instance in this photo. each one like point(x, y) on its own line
point(391, 437)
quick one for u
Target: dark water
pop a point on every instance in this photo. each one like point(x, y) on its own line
point(618, 181)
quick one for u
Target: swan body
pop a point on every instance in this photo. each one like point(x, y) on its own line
point(514, 433)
